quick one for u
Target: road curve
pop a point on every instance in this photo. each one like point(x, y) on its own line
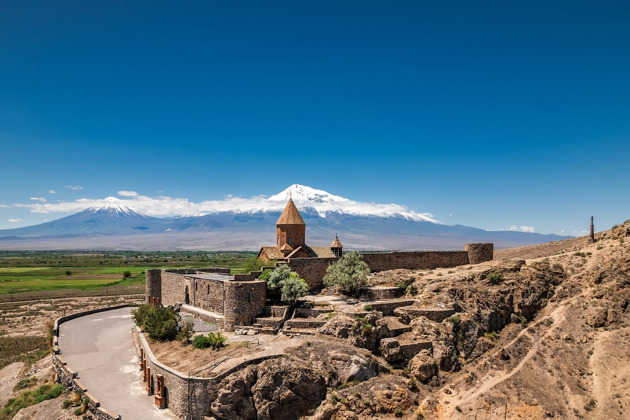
point(100, 348)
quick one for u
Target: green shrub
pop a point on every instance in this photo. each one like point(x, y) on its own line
point(494, 278)
point(217, 340)
point(401, 285)
point(158, 321)
point(285, 285)
point(293, 288)
point(455, 319)
point(28, 398)
point(214, 340)
point(66, 404)
point(186, 331)
point(349, 274)
point(201, 342)
point(412, 290)
point(253, 264)
point(25, 383)
point(264, 276)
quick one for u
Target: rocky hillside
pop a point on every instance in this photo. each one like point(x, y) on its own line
point(541, 332)
point(546, 337)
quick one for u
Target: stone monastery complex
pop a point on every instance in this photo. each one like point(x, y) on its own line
point(236, 300)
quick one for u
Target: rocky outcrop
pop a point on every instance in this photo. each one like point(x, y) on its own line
point(377, 397)
point(362, 332)
point(275, 389)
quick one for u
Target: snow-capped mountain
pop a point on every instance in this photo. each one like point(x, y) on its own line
point(247, 224)
point(325, 203)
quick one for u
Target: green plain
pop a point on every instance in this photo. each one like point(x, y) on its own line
point(31, 271)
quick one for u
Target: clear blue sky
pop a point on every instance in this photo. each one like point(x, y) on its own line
point(487, 114)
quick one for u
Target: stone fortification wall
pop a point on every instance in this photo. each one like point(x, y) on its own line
point(252, 275)
point(312, 270)
point(217, 270)
point(173, 288)
point(478, 253)
point(414, 260)
point(243, 301)
point(208, 294)
point(185, 395)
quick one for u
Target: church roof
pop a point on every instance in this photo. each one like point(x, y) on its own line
point(322, 252)
point(286, 247)
point(271, 252)
point(290, 215)
point(336, 243)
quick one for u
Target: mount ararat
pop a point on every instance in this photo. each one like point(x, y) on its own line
point(112, 224)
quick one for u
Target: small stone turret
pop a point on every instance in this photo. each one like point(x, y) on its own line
point(153, 288)
point(478, 253)
point(336, 247)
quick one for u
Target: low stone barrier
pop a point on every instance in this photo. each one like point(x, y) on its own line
point(307, 323)
point(68, 378)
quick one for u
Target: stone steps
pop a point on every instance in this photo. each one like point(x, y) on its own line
point(304, 323)
point(268, 321)
point(402, 348)
point(434, 314)
point(394, 327)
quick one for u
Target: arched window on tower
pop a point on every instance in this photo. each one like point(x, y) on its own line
point(278, 241)
point(289, 241)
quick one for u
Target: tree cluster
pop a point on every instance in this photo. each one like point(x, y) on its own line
point(349, 274)
point(284, 285)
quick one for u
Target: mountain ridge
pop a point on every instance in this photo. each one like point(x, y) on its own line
point(365, 226)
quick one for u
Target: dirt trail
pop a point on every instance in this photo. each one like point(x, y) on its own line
point(557, 315)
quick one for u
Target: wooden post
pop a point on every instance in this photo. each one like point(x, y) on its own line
point(160, 400)
point(148, 380)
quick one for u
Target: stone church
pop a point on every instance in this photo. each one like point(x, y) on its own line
point(291, 240)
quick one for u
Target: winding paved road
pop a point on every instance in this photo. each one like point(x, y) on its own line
point(100, 348)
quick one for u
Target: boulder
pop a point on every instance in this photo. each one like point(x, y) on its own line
point(340, 326)
point(423, 366)
point(596, 316)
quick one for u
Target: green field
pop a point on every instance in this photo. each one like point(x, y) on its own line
point(27, 272)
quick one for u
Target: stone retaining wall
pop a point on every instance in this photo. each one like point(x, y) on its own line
point(185, 395)
point(387, 307)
